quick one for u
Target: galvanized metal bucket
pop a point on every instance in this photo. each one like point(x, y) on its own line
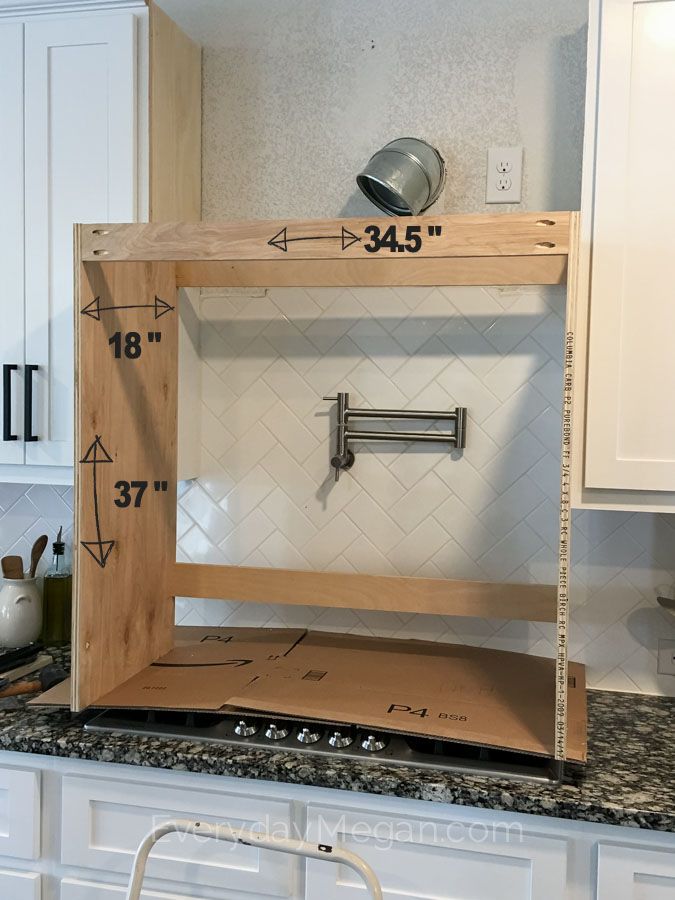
point(403, 178)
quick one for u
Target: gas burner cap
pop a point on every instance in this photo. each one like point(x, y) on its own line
point(243, 729)
point(274, 733)
point(338, 739)
point(306, 736)
point(373, 743)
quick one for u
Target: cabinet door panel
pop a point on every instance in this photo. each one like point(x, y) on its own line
point(630, 429)
point(20, 885)
point(627, 873)
point(437, 859)
point(11, 226)
point(19, 813)
point(80, 102)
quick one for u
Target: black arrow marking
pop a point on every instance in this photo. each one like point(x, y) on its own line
point(94, 309)
point(95, 455)
point(281, 239)
point(235, 663)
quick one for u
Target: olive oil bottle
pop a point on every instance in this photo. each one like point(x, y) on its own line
point(57, 593)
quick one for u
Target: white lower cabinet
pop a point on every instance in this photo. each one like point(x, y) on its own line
point(106, 819)
point(626, 873)
point(20, 885)
point(475, 858)
point(92, 817)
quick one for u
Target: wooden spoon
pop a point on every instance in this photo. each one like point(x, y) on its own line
point(12, 566)
point(36, 553)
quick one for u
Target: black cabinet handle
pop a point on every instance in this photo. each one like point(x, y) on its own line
point(7, 370)
point(28, 405)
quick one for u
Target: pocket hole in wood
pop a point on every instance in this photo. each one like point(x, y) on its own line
point(100, 231)
point(100, 252)
point(545, 222)
point(545, 245)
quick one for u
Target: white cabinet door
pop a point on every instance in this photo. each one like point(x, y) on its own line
point(630, 426)
point(11, 238)
point(19, 813)
point(80, 166)
point(626, 873)
point(20, 885)
point(437, 859)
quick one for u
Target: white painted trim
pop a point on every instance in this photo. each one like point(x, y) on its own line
point(21, 8)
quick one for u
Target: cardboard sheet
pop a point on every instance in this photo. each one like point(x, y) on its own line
point(59, 695)
point(205, 668)
point(489, 698)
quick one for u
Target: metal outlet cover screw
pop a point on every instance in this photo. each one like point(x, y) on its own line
point(338, 739)
point(306, 736)
point(274, 733)
point(373, 743)
point(243, 729)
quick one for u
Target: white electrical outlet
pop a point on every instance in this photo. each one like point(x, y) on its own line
point(504, 175)
point(666, 664)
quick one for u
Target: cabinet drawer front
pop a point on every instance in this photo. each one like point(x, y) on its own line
point(427, 859)
point(77, 889)
point(104, 821)
point(631, 873)
point(20, 885)
point(19, 813)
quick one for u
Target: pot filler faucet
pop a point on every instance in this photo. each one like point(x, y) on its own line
point(344, 457)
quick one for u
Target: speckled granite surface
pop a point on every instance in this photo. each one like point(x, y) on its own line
point(629, 779)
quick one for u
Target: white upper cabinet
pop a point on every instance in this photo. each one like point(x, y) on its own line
point(80, 166)
point(11, 239)
point(624, 425)
point(80, 136)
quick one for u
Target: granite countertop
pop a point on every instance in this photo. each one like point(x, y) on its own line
point(628, 779)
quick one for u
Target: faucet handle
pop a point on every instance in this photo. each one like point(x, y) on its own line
point(342, 461)
point(330, 398)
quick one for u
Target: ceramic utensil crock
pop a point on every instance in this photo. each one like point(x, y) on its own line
point(20, 612)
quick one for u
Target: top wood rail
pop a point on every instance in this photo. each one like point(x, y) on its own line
point(506, 235)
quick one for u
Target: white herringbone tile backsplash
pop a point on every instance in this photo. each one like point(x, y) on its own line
point(267, 495)
point(27, 511)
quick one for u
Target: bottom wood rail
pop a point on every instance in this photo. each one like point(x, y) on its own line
point(482, 599)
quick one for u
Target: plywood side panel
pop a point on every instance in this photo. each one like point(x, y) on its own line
point(175, 122)
point(518, 234)
point(126, 432)
point(531, 602)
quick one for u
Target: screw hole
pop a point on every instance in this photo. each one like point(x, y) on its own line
point(545, 245)
point(100, 231)
point(100, 252)
point(545, 222)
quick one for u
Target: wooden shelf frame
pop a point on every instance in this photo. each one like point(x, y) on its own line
point(127, 281)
